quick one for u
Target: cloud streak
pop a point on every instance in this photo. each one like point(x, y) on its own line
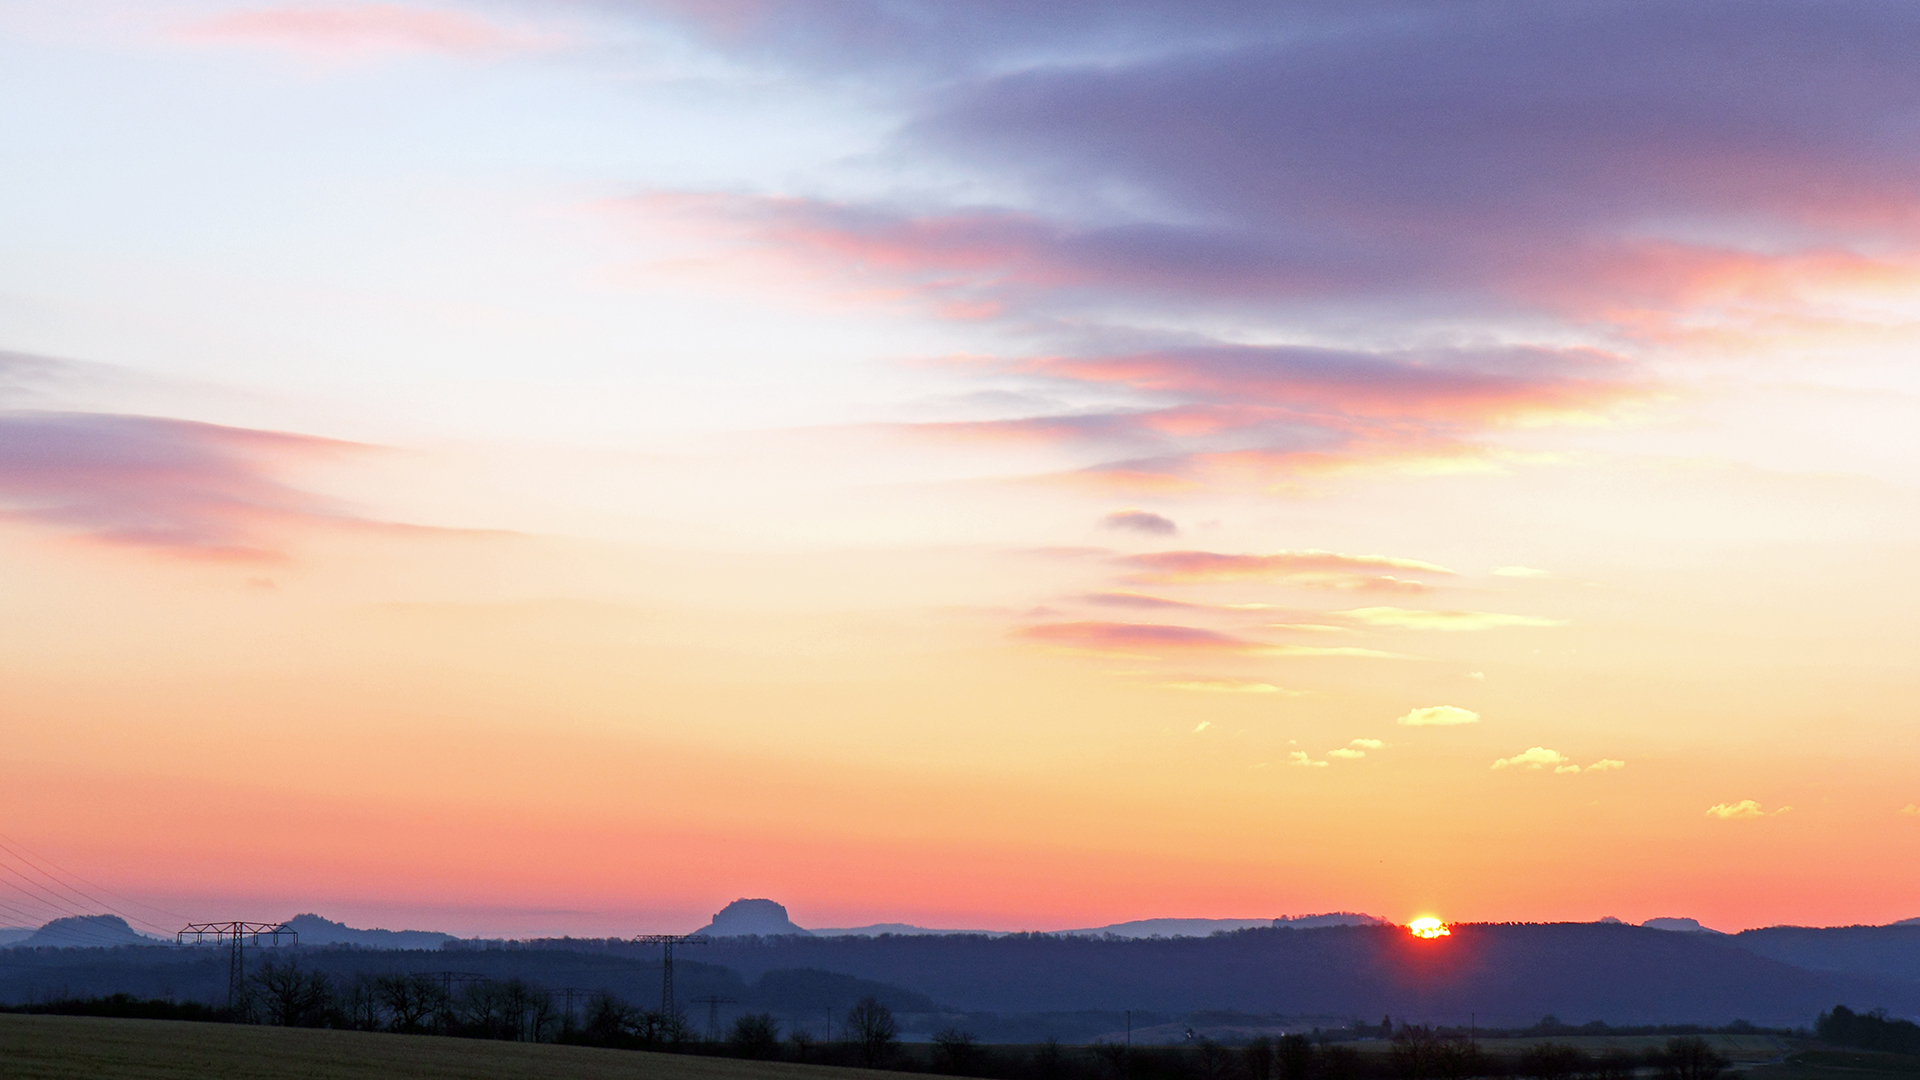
point(1406, 619)
point(1305, 569)
point(169, 485)
point(359, 29)
point(1438, 716)
point(1743, 810)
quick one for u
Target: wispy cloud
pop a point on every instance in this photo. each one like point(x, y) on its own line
point(1140, 521)
point(1124, 599)
point(1745, 808)
point(1538, 757)
point(1606, 765)
point(1137, 638)
point(1305, 569)
point(1304, 760)
point(1356, 749)
point(170, 485)
point(1411, 619)
point(1226, 686)
point(1157, 638)
point(363, 29)
point(1438, 716)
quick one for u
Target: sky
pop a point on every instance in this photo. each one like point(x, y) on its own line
point(522, 468)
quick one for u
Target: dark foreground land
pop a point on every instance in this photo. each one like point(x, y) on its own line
point(94, 1048)
point(40, 1047)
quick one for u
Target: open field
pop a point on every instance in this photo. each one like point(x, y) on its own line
point(1739, 1049)
point(1840, 1065)
point(90, 1048)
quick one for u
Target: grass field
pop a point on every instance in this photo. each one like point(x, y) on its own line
point(1739, 1049)
point(89, 1048)
point(1840, 1065)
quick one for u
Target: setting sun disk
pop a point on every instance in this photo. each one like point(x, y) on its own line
point(1428, 927)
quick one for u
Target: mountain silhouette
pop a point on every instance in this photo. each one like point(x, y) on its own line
point(752, 918)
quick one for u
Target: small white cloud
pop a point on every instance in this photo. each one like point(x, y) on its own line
point(1606, 765)
point(1300, 758)
point(1537, 757)
point(1518, 571)
point(1478, 676)
point(1226, 686)
point(1367, 744)
point(1202, 726)
point(1911, 809)
point(1566, 768)
point(1347, 752)
point(1438, 716)
point(1745, 808)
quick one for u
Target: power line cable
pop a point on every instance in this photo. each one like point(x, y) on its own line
point(38, 863)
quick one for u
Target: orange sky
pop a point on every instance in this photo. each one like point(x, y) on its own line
point(516, 471)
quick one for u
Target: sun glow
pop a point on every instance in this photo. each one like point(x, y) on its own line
point(1428, 927)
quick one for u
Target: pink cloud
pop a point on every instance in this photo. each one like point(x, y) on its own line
point(1307, 569)
point(363, 28)
point(170, 485)
point(1137, 637)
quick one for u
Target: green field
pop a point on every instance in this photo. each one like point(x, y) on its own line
point(89, 1048)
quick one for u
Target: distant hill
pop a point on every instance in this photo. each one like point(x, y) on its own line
point(85, 931)
point(751, 918)
point(314, 930)
point(1506, 974)
point(13, 935)
point(1889, 952)
point(1138, 928)
point(893, 928)
point(1685, 926)
point(1149, 928)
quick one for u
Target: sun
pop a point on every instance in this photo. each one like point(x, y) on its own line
point(1426, 926)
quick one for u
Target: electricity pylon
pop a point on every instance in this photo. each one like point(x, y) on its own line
point(667, 942)
point(713, 1014)
point(234, 935)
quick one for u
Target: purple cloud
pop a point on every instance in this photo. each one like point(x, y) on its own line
point(171, 485)
point(1144, 521)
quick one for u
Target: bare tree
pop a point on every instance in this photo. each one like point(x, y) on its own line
point(955, 1051)
point(410, 1000)
point(1258, 1057)
point(1690, 1057)
point(755, 1035)
point(1213, 1059)
point(290, 996)
point(1048, 1062)
point(802, 1041)
point(1293, 1057)
point(871, 1029)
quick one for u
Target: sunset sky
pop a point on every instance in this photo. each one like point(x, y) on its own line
point(550, 467)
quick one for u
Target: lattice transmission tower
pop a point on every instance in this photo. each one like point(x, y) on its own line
point(668, 1007)
point(234, 935)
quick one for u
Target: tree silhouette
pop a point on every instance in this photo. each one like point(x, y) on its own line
point(1691, 1058)
point(871, 1029)
point(755, 1035)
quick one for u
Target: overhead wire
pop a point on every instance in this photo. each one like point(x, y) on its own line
point(51, 869)
point(41, 886)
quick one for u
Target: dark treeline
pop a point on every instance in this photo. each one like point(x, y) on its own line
point(1868, 1031)
point(283, 992)
point(1614, 972)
